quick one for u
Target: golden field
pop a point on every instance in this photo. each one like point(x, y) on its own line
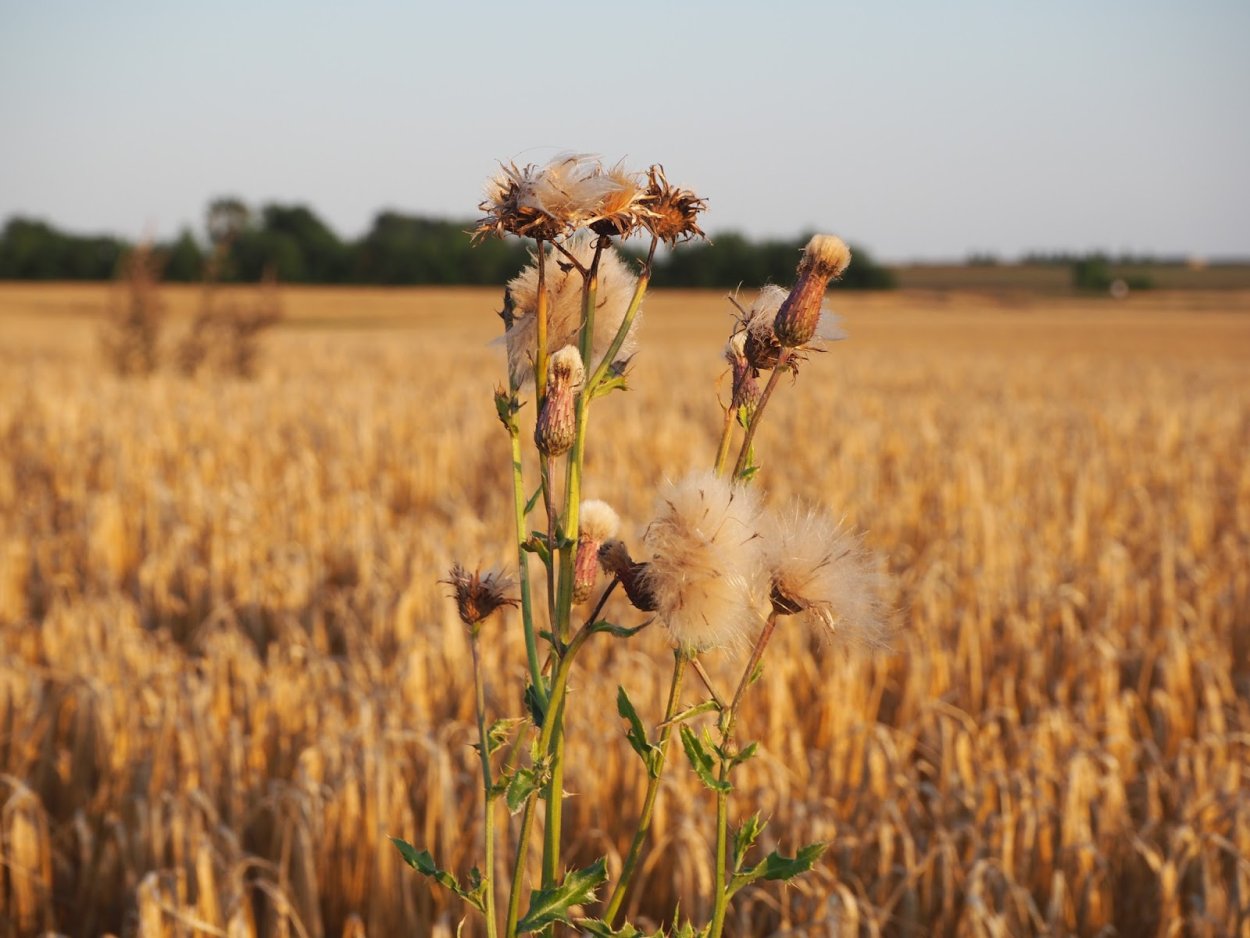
point(228, 674)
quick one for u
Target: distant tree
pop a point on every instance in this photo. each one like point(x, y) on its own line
point(184, 259)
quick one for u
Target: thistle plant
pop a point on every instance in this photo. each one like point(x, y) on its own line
point(715, 569)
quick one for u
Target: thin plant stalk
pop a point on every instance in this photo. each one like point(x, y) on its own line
point(728, 721)
point(527, 600)
point(518, 866)
point(488, 801)
point(653, 787)
point(540, 322)
point(744, 453)
point(726, 438)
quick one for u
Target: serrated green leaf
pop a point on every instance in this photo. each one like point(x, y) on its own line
point(746, 835)
point(748, 473)
point(637, 734)
point(548, 906)
point(497, 734)
point(608, 385)
point(533, 500)
point(521, 784)
point(423, 862)
point(777, 867)
point(598, 928)
point(701, 761)
point(748, 752)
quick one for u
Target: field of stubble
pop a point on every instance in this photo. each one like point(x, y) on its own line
point(227, 672)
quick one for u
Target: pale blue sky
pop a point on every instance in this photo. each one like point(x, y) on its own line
point(918, 130)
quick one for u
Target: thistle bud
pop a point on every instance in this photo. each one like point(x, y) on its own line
point(557, 423)
point(614, 558)
point(598, 524)
point(746, 390)
point(824, 258)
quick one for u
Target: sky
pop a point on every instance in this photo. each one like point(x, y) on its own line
point(921, 131)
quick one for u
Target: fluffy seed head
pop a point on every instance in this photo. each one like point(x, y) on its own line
point(564, 311)
point(798, 318)
point(477, 595)
point(598, 520)
point(705, 567)
point(822, 573)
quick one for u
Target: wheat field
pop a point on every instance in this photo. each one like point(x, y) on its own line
point(228, 674)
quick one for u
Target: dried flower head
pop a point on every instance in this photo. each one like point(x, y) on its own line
point(478, 595)
point(705, 567)
point(761, 346)
point(598, 523)
point(673, 212)
point(615, 559)
point(572, 191)
point(564, 312)
point(822, 573)
point(796, 322)
point(556, 427)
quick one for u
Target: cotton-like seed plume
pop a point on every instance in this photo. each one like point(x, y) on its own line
point(822, 573)
point(824, 258)
point(598, 522)
point(556, 427)
point(704, 570)
point(477, 595)
point(761, 347)
point(572, 191)
point(564, 312)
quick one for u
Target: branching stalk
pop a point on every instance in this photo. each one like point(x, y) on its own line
point(744, 453)
point(653, 787)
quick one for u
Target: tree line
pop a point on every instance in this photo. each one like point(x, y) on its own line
point(293, 244)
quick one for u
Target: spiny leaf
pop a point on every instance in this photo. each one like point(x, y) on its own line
point(521, 784)
point(748, 751)
point(535, 705)
point(691, 712)
point(701, 761)
point(551, 905)
point(636, 734)
point(598, 928)
point(529, 505)
point(423, 862)
point(746, 834)
point(777, 867)
point(498, 734)
point(608, 385)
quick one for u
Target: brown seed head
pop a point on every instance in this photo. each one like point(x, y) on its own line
point(614, 558)
point(478, 595)
point(673, 212)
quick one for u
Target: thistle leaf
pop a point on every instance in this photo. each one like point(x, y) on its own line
point(746, 835)
point(637, 734)
point(702, 763)
point(551, 905)
point(423, 863)
point(778, 867)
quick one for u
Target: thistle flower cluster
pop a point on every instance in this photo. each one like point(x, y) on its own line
point(575, 190)
point(477, 595)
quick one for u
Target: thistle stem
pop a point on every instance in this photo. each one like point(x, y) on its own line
point(488, 801)
point(726, 437)
point(728, 721)
point(653, 788)
point(540, 322)
point(518, 867)
point(773, 378)
point(527, 600)
point(640, 290)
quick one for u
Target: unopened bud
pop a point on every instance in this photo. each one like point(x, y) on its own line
point(614, 556)
point(746, 390)
point(824, 258)
point(598, 523)
point(556, 428)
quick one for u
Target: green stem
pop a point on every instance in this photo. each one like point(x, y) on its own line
point(640, 290)
point(555, 798)
point(527, 601)
point(728, 721)
point(518, 866)
point(653, 788)
point(754, 422)
point(540, 321)
point(488, 801)
point(726, 437)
